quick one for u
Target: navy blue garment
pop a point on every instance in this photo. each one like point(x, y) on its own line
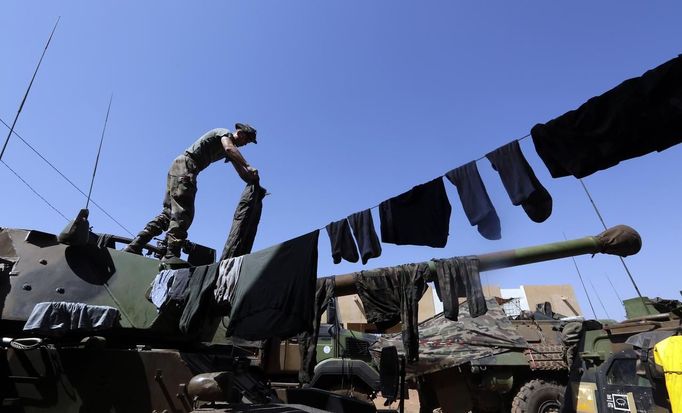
point(420, 216)
point(641, 115)
point(520, 181)
point(197, 304)
point(362, 225)
point(475, 200)
point(342, 242)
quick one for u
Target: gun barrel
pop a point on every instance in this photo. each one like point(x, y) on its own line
point(620, 240)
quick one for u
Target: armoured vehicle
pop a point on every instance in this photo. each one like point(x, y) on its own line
point(145, 364)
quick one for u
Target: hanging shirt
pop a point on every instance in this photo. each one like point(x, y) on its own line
point(274, 295)
point(668, 354)
point(226, 285)
point(342, 242)
point(362, 225)
point(178, 289)
point(208, 149)
point(475, 200)
point(641, 115)
point(522, 186)
point(199, 292)
point(161, 286)
point(420, 216)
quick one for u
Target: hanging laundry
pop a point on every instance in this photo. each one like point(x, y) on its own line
point(274, 290)
point(641, 115)
point(245, 222)
point(161, 286)
point(420, 216)
point(475, 200)
point(452, 275)
point(58, 317)
point(390, 295)
point(178, 290)
point(362, 225)
point(201, 285)
point(668, 354)
point(228, 275)
point(520, 181)
point(342, 242)
point(307, 341)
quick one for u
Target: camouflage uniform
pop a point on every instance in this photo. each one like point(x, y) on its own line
point(181, 188)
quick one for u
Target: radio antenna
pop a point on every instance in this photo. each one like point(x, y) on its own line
point(21, 106)
point(94, 171)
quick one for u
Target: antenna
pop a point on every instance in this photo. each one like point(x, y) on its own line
point(594, 314)
point(94, 171)
point(21, 106)
point(614, 289)
point(600, 301)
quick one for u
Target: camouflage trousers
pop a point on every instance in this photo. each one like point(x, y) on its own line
point(178, 202)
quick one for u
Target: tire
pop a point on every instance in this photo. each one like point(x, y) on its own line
point(539, 396)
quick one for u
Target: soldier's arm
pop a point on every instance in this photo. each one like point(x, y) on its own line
point(244, 170)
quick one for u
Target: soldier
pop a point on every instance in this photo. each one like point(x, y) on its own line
point(181, 185)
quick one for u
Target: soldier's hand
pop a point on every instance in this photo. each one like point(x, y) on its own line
point(254, 175)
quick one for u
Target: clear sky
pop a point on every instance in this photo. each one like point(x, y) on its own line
point(354, 102)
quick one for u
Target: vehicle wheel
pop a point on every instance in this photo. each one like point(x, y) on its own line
point(538, 396)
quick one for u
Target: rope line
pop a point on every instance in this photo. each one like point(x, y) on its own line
point(34, 191)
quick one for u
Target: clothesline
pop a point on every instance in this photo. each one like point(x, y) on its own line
point(441, 176)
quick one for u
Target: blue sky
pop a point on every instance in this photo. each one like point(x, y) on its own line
point(354, 102)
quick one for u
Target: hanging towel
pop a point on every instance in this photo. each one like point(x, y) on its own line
point(390, 295)
point(342, 242)
point(275, 289)
point(228, 276)
point(307, 341)
point(196, 311)
point(641, 115)
point(161, 286)
point(58, 317)
point(475, 200)
point(453, 274)
point(362, 225)
point(245, 222)
point(420, 216)
point(520, 181)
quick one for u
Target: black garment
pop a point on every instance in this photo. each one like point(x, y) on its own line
point(307, 341)
point(420, 216)
point(392, 294)
point(245, 222)
point(475, 200)
point(460, 275)
point(275, 289)
point(362, 225)
point(342, 242)
point(641, 115)
point(197, 303)
point(520, 181)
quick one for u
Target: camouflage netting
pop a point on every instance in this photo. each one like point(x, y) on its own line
point(444, 343)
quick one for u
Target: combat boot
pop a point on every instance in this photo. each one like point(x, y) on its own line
point(173, 251)
point(143, 238)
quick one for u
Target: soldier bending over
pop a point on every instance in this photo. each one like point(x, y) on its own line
point(181, 185)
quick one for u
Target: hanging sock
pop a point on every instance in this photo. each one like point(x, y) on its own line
point(342, 242)
point(362, 225)
point(475, 200)
point(520, 181)
point(420, 216)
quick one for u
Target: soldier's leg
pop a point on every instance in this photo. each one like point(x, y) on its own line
point(182, 213)
point(153, 228)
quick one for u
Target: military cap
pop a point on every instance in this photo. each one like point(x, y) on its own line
point(248, 129)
